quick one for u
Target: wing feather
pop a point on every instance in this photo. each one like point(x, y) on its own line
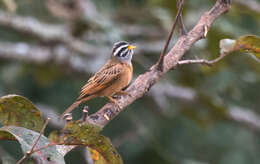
point(101, 80)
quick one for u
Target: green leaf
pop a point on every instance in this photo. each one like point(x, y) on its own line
point(247, 43)
point(77, 133)
point(27, 137)
point(19, 111)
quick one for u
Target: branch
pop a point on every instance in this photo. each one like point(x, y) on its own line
point(182, 29)
point(202, 61)
point(162, 55)
point(145, 81)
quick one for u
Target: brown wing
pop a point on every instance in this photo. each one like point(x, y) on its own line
point(101, 80)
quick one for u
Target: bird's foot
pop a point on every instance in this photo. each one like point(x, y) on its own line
point(114, 101)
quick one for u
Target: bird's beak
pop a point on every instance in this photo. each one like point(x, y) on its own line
point(131, 47)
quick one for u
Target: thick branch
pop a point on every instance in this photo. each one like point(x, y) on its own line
point(144, 82)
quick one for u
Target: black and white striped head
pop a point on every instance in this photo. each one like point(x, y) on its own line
point(123, 50)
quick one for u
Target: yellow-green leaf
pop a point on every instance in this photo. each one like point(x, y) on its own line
point(19, 111)
point(77, 133)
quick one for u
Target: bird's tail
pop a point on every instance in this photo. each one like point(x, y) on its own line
point(74, 105)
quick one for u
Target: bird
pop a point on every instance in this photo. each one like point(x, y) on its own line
point(115, 75)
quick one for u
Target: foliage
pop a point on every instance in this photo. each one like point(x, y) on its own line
point(17, 126)
point(19, 111)
point(27, 138)
point(78, 133)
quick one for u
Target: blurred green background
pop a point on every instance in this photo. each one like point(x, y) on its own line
point(194, 115)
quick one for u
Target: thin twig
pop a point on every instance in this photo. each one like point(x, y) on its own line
point(182, 29)
point(44, 147)
point(41, 133)
point(161, 58)
point(27, 154)
point(202, 61)
point(22, 159)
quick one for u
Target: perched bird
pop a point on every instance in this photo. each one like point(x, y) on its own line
point(115, 75)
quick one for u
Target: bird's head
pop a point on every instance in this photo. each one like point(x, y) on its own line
point(123, 51)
